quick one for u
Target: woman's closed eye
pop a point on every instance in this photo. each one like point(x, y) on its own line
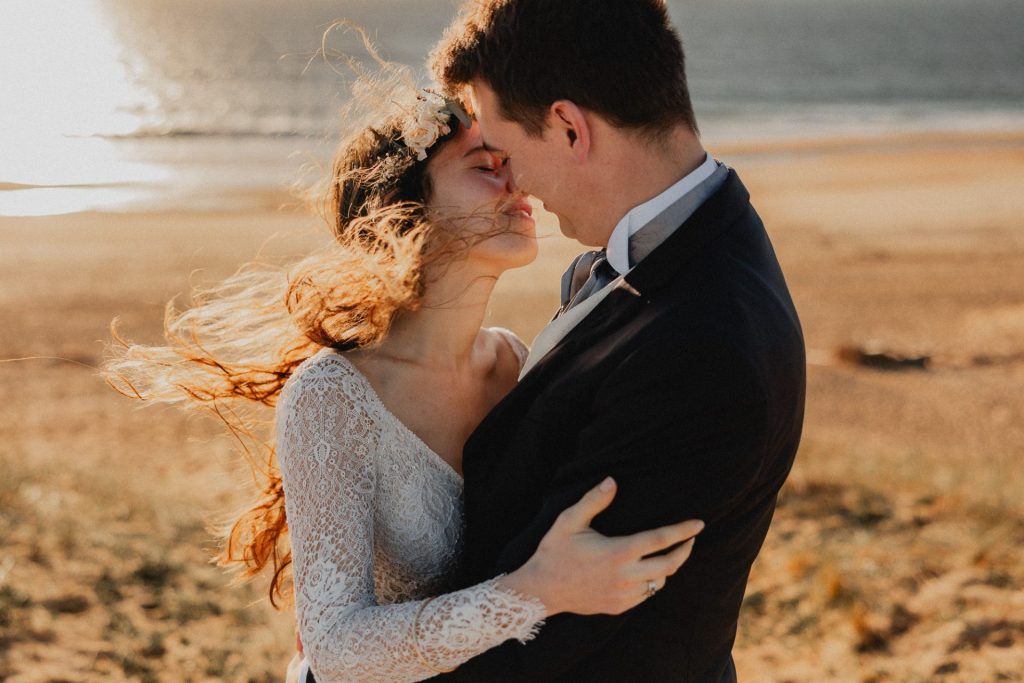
point(490, 163)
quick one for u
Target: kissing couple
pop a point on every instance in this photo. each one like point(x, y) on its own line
point(450, 504)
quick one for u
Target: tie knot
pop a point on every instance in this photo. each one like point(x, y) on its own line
point(588, 273)
point(602, 270)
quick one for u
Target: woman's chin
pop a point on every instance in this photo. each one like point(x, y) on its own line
point(529, 248)
point(525, 225)
point(514, 249)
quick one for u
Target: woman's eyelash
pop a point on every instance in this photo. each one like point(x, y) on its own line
point(499, 163)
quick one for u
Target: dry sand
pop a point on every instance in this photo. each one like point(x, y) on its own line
point(896, 554)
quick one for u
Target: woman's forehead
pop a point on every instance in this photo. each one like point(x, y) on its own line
point(468, 138)
point(466, 142)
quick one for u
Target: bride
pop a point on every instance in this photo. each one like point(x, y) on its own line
point(375, 359)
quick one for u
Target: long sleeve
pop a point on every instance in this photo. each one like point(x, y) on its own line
point(330, 439)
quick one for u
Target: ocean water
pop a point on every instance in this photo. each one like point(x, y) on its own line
point(137, 96)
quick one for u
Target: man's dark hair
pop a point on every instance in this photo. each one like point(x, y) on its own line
point(619, 58)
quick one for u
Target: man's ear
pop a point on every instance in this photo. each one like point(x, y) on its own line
point(569, 122)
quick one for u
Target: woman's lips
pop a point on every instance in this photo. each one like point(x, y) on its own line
point(521, 209)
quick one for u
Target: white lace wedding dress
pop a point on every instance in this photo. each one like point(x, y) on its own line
point(375, 522)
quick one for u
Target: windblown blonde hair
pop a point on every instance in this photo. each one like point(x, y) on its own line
point(234, 349)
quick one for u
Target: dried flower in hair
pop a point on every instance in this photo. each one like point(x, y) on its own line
point(430, 120)
point(428, 123)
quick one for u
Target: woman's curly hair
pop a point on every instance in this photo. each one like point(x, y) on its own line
point(234, 349)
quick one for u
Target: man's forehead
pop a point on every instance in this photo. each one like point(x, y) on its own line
point(492, 149)
point(478, 93)
point(471, 97)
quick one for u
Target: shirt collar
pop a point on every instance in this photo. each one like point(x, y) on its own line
point(639, 216)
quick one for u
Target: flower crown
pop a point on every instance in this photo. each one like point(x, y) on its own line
point(429, 122)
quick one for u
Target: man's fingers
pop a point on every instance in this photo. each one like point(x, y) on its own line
point(593, 502)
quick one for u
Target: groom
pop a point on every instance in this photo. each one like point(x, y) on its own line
point(676, 363)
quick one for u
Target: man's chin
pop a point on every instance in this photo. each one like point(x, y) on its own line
point(565, 227)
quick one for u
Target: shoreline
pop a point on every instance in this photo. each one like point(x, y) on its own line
point(886, 141)
point(222, 174)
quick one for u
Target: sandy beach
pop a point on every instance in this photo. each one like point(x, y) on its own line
point(897, 553)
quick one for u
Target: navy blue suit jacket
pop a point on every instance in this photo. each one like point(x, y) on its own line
point(687, 385)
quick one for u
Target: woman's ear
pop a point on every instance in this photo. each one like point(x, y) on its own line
point(570, 123)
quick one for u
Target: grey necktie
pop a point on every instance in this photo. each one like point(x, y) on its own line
point(589, 273)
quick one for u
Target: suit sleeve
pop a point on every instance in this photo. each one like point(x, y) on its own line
point(683, 431)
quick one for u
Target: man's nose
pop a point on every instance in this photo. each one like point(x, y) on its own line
point(510, 178)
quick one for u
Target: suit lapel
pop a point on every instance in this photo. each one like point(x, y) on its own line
point(614, 309)
point(563, 324)
point(620, 305)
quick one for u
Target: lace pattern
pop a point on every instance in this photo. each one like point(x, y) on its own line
point(375, 520)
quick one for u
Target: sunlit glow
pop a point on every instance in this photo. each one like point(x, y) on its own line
point(58, 160)
point(63, 79)
point(52, 201)
point(62, 72)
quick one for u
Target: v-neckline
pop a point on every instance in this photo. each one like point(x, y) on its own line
point(394, 418)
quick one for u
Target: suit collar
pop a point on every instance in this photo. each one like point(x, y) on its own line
point(620, 250)
point(661, 267)
point(709, 221)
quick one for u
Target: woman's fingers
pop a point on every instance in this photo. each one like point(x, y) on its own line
point(646, 586)
point(579, 516)
point(655, 540)
point(640, 591)
point(677, 557)
point(662, 565)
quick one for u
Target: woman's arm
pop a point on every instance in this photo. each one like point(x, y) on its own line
point(327, 445)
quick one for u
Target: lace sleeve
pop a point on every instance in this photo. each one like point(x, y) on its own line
point(328, 440)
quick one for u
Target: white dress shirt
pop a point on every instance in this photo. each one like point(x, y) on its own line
point(639, 216)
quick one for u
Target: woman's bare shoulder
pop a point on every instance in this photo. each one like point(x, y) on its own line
point(508, 345)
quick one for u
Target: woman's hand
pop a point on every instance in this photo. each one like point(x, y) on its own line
point(576, 569)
